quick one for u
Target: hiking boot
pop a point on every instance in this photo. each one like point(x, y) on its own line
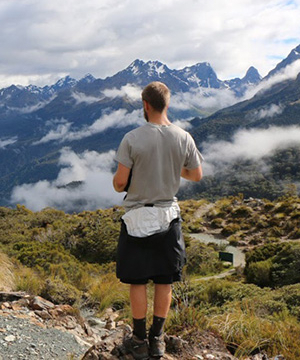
point(137, 347)
point(157, 345)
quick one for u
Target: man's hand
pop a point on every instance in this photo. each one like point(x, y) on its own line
point(121, 177)
point(192, 174)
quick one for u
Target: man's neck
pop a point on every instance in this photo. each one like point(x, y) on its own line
point(159, 119)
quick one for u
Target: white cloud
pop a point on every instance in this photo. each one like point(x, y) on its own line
point(204, 99)
point(40, 39)
point(32, 108)
point(59, 133)
point(266, 112)
point(96, 190)
point(131, 91)
point(6, 142)
point(82, 98)
point(117, 119)
point(183, 124)
point(254, 144)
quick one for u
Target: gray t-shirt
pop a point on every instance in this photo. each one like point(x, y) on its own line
point(156, 154)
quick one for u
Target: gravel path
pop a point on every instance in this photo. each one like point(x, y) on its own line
point(22, 340)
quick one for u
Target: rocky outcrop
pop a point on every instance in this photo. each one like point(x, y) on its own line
point(86, 338)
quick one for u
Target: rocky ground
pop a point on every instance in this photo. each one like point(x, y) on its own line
point(34, 328)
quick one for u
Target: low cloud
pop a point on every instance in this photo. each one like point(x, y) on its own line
point(185, 125)
point(82, 98)
point(131, 91)
point(254, 144)
point(6, 142)
point(204, 99)
point(92, 169)
point(59, 133)
point(116, 119)
point(266, 112)
point(32, 108)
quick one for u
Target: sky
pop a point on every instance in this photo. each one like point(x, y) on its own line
point(44, 40)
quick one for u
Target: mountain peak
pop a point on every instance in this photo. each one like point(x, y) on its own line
point(252, 76)
point(88, 78)
point(66, 81)
point(293, 56)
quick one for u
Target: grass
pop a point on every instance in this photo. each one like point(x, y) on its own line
point(7, 277)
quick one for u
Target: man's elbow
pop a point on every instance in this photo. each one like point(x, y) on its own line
point(197, 174)
point(119, 186)
point(198, 177)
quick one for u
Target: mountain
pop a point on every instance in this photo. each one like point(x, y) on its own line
point(293, 56)
point(278, 105)
point(240, 86)
point(36, 123)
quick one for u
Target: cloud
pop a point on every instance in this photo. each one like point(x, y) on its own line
point(204, 99)
point(94, 170)
point(82, 98)
point(116, 119)
point(32, 108)
point(41, 39)
point(254, 144)
point(185, 125)
point(266, 112)
point(59, 133)
point(131, 91)
point(6, 142)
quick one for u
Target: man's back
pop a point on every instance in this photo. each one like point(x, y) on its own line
point(156, 154)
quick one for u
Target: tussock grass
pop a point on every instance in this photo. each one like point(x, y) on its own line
point(246, 333)
point(28, 280)
point(7, 277)
point(107, 291)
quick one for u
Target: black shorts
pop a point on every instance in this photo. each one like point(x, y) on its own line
point(159, 257)
point(159, 279)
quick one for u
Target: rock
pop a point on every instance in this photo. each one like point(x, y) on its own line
point(6, 305)
point(174, 344)
point(11, 296)
point(43, 314)
point(95, 322)
point(110, 324)
point(10, 338)
point(38, 303)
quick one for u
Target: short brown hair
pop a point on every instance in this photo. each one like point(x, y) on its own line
point(157, 95)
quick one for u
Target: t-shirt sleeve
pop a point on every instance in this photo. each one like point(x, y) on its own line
point(123, 155)
point(193, 157)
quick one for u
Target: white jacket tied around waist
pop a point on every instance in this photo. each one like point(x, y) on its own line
point(145, 221)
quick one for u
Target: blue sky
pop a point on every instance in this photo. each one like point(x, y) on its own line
point(42, 41)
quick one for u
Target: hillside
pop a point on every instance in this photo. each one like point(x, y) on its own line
point(69, 259)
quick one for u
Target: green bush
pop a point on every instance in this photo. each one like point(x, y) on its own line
point(259, 273)
point(60, 292)
point(202, 259)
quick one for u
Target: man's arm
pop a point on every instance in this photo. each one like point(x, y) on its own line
point(121, 177)
point(192, 174)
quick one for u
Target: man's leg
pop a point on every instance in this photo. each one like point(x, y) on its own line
point(162, 299)
point(137, 344)
point(162, 302)
point(138, 301)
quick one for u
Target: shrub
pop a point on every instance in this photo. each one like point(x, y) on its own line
point(230, 229)
point(59, 292)
point(202, 259)
point(259, 273)
point(28, 280)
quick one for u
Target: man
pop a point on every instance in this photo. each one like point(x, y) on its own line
point(151, 160)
